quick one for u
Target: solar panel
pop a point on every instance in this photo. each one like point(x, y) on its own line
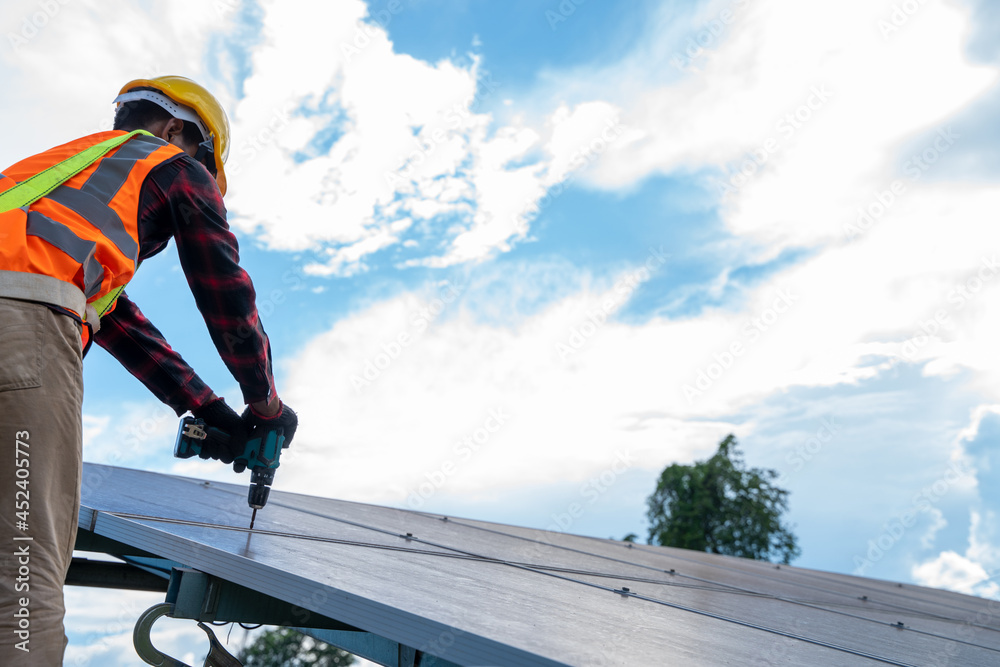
point(472, 592)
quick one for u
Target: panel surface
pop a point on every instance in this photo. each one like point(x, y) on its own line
point(480, 593)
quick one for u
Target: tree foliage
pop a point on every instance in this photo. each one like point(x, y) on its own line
point(722, 507)
point(284, 647)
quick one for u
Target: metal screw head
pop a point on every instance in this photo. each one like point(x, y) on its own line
point(624, 589)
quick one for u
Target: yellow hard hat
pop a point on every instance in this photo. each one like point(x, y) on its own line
point(211, 114)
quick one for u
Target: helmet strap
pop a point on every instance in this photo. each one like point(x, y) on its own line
point(206, 150)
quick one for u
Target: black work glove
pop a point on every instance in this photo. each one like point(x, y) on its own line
point(286, 419)
point(219, 417)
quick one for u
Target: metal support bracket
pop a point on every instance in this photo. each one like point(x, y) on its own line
point(104, 574)
point(203, 597)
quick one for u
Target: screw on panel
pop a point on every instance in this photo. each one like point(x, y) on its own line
point(409, 536)
point(444, 518)
point(863, 598)
point(898, 624)
point(670, 571)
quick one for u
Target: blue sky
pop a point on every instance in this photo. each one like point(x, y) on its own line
point(547, 205)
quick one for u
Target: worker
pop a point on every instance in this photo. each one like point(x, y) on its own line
point(70, 239)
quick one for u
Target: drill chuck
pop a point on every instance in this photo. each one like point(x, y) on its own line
point(260, 487)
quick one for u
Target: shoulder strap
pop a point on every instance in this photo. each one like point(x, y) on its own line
point(44, 182)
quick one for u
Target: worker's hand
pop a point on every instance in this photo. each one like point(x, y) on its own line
point(285, 418)
point(220, 417)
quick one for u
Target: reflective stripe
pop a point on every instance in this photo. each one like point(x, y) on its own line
point(81, 250)
point(45, 289)
point(113, 171)
point(98, 214)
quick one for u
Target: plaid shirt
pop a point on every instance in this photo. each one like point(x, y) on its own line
point(180, 200)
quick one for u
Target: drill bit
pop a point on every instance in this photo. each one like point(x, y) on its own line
point(260, 488)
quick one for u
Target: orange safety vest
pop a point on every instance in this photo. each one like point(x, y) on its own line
point(79, 242)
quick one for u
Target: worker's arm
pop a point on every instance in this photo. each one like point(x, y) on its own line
point(140, 347)
point(224, 293)
point(181, 201)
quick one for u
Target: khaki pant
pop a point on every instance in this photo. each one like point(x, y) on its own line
point(41, 396)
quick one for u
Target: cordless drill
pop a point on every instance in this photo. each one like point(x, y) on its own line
point(260, 453)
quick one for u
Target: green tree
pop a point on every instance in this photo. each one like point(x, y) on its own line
point(722, 507)
point(284, 647)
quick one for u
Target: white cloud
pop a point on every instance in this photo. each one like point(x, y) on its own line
point(393, 392)
point(858, 97)
point(937, 523)
point(93, 427)
point(976, 571)
point(849, 313)
point(981, 534)
point(571, 409)
point(422, 122)
point(955, 572)
point(579, 136)
point(410, 139)
point(867, 299)
point(837, 319)
point(166, 39)
point(425, 119)
point(412, 143)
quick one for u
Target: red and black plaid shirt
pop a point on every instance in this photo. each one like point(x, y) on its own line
point(180, 200)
